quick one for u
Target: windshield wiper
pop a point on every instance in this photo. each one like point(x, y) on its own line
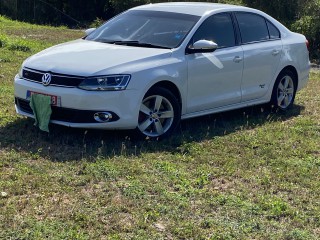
point(136, 43)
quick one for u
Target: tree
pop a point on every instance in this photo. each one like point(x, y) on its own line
point(287, 11)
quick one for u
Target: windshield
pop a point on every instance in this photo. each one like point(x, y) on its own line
point(145, 29)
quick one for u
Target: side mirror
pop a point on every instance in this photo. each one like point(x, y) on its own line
point(202, 46)
point(88, 31)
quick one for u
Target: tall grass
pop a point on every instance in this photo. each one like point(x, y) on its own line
point(252, 173)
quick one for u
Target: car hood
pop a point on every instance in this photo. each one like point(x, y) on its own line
point(87, 58)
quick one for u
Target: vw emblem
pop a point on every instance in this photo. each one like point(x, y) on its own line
point(46, 79)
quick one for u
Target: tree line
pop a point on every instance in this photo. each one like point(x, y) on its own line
point(299, 15)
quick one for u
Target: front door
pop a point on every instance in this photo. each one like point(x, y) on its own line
point(214, 79)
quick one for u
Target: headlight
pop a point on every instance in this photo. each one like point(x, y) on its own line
point(20, 72)
point(106, 83)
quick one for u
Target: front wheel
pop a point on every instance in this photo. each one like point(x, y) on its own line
point(159, 113)
point(284, 90)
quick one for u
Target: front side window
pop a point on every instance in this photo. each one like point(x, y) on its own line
point(217, 28)
point(253, 27)
point(146, 28)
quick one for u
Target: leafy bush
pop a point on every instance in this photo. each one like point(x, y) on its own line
point(309, 25)
point(15, 44)
point(20, 45)
point(286, 11)
point(3, 40)
point(96, 23)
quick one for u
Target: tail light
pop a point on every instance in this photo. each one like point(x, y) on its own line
point(308, 45)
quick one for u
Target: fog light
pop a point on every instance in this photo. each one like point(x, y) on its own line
point(102, 116)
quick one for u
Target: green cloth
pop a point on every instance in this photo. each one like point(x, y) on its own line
point(41, 107)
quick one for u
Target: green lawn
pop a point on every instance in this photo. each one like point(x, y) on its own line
point(246, 174)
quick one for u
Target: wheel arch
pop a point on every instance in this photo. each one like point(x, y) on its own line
point(159, 120)
point(170, 86)
point(295, 73)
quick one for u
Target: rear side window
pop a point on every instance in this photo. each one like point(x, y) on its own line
point(273, 31)
point(217, 28)
point(253, 28)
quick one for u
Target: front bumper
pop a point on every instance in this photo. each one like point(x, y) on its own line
point(78, 106)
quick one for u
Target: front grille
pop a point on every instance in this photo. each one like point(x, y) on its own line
point(64, 114)
point(56, 79)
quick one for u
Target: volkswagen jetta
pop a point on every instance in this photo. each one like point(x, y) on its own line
point(156, 64)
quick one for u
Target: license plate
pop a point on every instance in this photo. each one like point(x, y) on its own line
point(55, 100)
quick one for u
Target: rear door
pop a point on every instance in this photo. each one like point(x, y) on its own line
point(262, 48)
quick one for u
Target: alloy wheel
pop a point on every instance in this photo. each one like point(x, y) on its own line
point(156, 116)
point(285, 92)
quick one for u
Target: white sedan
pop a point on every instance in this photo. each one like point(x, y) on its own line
point(156, 64)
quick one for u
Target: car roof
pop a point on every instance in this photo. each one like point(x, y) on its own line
point(201, 9)
point(193, 8)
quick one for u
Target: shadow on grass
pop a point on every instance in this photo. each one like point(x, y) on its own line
point(69, 144)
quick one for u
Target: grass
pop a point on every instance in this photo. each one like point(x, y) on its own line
point(247, 174)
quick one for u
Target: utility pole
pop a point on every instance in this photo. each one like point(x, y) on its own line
point(16, 10)
point(34, 11)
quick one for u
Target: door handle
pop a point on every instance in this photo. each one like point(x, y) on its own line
point(275, 52)
point(237, 59)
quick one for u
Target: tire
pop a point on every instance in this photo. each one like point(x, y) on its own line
point(284, 90)
point(159, 114)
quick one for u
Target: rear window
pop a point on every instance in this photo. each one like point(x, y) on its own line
point(273, 31)
point(253, 28)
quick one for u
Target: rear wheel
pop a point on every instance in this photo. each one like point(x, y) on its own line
point(159, 113)
point(284, 90)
